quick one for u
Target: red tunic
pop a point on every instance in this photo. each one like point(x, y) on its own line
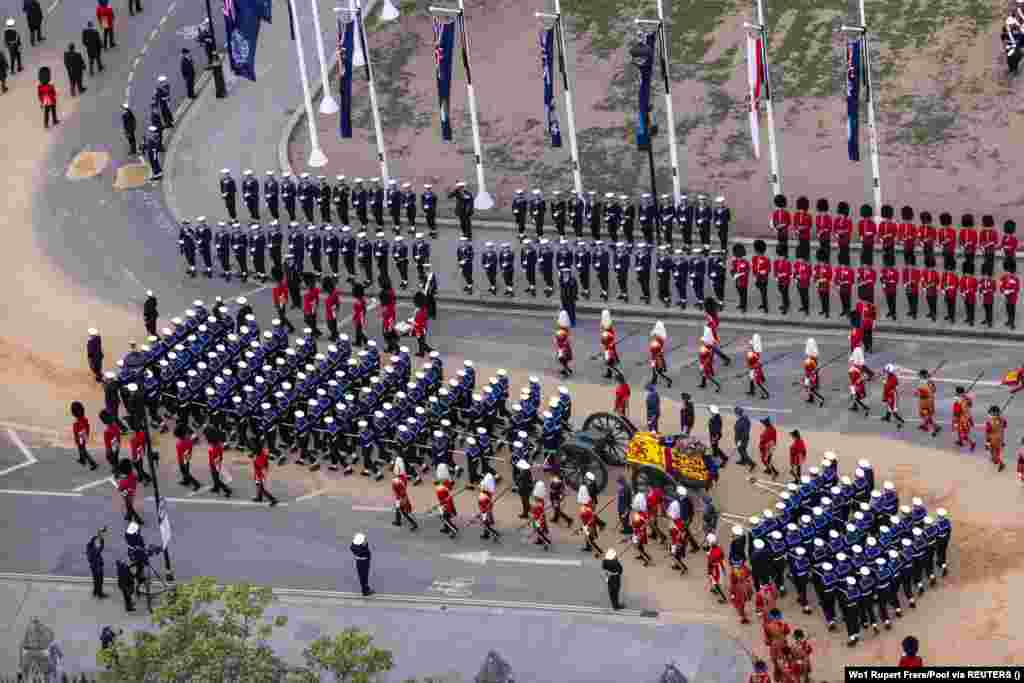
point(797, 453)
point(586, 515)
point(400, 492)
point(621, 398)
point(678, 532)
point(47, 95)
point(741, 272)
point(782, 221)
point(912, 279)
point(707, 361)
point(485, 504)
point(184, 450)
point(331, 305)
point(969, 288)
point(610, 346)
point(359, 312)
point(216, 456)
point(80, 430)
point(444, 498)
point(857, 388)
point(842, 226)
point(1009, 245)
point(927, 234)
point(868, 314)
point(856, 338)
point(890, 280)
point(987, 286)
point(105, 16)
point(890, 391)
point(754, 366)
point(311, 301)
point(866, 278)
point(802, 271)
point(802, 225)
point(968, 240)
point(888, 231)
point(950, 284)
point(823, 276)
point(280, 294)
point(1009, 286)
point(713, 322)
point(766, 443)
point(844, 278)
point(138, 445)
point(638, 522)
point(783, 270)
point(657, 351)
point(932, 280)
point(908, 236)
point(988, 239)
point(947, 238)
point(811, 377)
point(260, 465)
point(419, 322)
point(127, 486)
point(112, 438)
point(387, 317)
point(715, 561)
point(823, 224)
point(867, 230)
point(540, 522)
point(761, 266)
point(563, 346)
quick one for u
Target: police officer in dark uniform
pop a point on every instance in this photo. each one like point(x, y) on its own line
point(538, 210)
point(569, 292)
point(162, 96)
point(547, 267)
point(348, 253)
point(271, 193)
point(716, 273)
point(360, 202)
point(702, 217)
point(153, 148)
point(258, 247)
point(681, 276)
point(583, 258)
point(204, 239)
point(428, 202)
point(400, 254)
point(364, 255)
point(558, 215)
point(223, 245)
point(622, 263)
point(698, 269)
point(667, 220)
point(720, 219)
point(297, 246)
point(577, 213)
point(663, 268)
point(130, 126)
point(684, 218)
point(339, 195)
point(519, 208)
point(489, 262)
point(628, 217)
point(187, 247)
point(332, 249)
point(323, 199)
point(294, 271)
point(228, 192)
point(240, 248)
point(307, 197)
point(288, 195)
point(377, 202)
point(251, 194)
point(594, 213)
point(382, 255)
point(394, 205)
point(648, 218)
point(276, 244)
point(421, 256)
point(315, 249)
point(528, 262)
point(507, 263)
point(642, 263)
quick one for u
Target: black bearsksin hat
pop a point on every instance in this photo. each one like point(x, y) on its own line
point(760, 247)
point(967, 220)
point(843, 209)
point(780, 201)
point(945, 219)
point(1009, 227)
point(926, 217)
point(803, 204)
point(988, 221)
point(887, 212)
point(822, 205)
point(907, 213)
point(739, 251)
point(866, 211)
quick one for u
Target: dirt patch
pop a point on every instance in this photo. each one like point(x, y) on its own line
point(87, 164)
point(131, 176)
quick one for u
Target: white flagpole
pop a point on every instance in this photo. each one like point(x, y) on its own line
point(876, 173)
point(483, 200)
point(357, 55)
point(570, 112)
point(317, 158)
point(669, 111)
point(769, 102)
point(755, 128)
point(374, 106)
point(328, 105)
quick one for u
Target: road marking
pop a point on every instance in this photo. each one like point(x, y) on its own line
point(153, 33)
point(215, 501)
point(21, 492)
point(740, 518)
point(96, 483)
point(53, 6)
point(31, 428)
point(128, 93)
point(372, 508)
point(145, 49)
point(29, 458)
point(135, 65)
point(170, 8)
point(482, 557)
point(956, 380)
point(314, 494)
point(201, 489)
point(163, 19)
point(748, 408)
point(453, 588)
point(131, 76)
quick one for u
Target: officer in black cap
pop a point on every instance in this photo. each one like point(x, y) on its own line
point(681, 275)
point(568, 292)
point(558, 212)
point(271, 195)
point(577, 213)
point(720, 217)
point(288, 194)
point(642, 263)
point(663, 268)
point(528, 262)
point(507, 263)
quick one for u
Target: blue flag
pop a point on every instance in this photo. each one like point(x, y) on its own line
point(853, 72)
point(346, 36)
point(547, 58)
point(444, 50)
point(645, 118)
point(242, 27)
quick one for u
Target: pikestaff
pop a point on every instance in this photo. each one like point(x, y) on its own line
point(588, 522)
point(890, 396)
point(812, 373)
point(610, 347)
point(755, 369)
point(485, 504)
point(538, 521)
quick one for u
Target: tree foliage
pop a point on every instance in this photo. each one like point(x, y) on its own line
point(350, 657)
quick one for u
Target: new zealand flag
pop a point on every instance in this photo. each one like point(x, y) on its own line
point(444, 47)
point(242, 27)
point(547, 58)
point(346, 39)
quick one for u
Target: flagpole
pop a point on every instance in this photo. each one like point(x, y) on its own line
point(669, 111)
point(876, 173)
point(328, 105)
point(377, 128)
point(570, 112)
point(357, 55)
point(483, 200)
point(769, 104)
point(317, 158)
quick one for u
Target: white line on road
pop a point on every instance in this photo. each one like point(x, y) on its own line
point(314, 494)
point(31, 428)
point(145, 49)
point(484, 556)
point(218, 501)
point(957, 380)
point(29, 458)
point(153, 33)
point(372, 508)
point(53, 6)
point(128, 93)
point(748, 408)
point(21, 492)
point(135, 65)
point(163, 19)
point(170, 8)
point(93, 484)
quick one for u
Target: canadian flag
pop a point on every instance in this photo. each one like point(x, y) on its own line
point(755, 82)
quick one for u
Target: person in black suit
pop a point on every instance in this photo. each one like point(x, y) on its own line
point(75, 65)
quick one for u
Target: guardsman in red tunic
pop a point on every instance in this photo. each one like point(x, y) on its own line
point(485, 505)
point(797, 455)
point(655, 506)
point(868, 314)
point(400, 492)
point(995, 436)
point(716, 567)
point(359, 314)
point(706, 357)
point(842, 227)
point(760, 674)
point(926, 403)
point(741, 589)
point(888, 233)
point(802, 227)
point(638, 521)
point(890, 286)
point(947, 241)
point(932, 282)
point(891, 396)
point(766, 444)
point(656, 347)
point(907, 234)
point(912, 279)
point(927, 235)
point(588, 522)
point(420, 324)
point(783, 270)
point(622, 397)
point(537, 518)
point(782, 223)
point(260, 465)
point(867, 232)
point(866, 279)
point(678, 534)
point(950, 289)
point(82, 432)
point(563, 344)
point(755, 370)
point(740, 269)
point(310, 307)
point(445, 501)
point(802, 271)
point(1009, 246)
point(812, 377)
point(969, 291)
point(858, 387)
point(844, 282)
point(823, 283)
point(609, 346)
point(988, 240)
point(963, 421)
point(987, 287)
point(1009, 287)
point(761, 266)
point(823, 227)
point(968, 240)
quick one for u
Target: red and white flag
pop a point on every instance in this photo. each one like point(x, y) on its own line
point(755, 82)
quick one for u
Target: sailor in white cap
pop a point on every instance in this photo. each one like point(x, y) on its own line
point(307, 193)
point(612, 568)
point(361, 552)
point(228, 192)
point(94, 352)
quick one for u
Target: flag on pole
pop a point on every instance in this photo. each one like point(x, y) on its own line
point(755, 77)
point(644, 61)
point(444, 45)
point(265, 11)
point(853, 77)
point(242, 27)
point(547, 59)
point(346, 39)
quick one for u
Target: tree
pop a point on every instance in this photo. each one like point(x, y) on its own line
point(350, 657)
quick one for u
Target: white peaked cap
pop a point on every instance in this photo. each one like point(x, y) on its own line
point(811, 347)
point(674, 511)
point(917, 501)
point(606, 319)
point(442, 472)
point(553, 403)
point(563, 319)
point(488, 484)
point(737, 530)
point(713, 410)
point(521, 464)
point(659, 331)
point(640, 502)
point(681, 491)
point(758, 543)
point(707, 337)
point(399, 465)
point(359, 539)
point(942, 513)
point(830, 455)
point(857, 357)
point(711, 539)
point(539, 490)
point(753, 520)
point(872, 541)
point(610, 554)
point(93, 332)
point(583, 496)
point(133, 528)
point(589, 476)
point(890, 368)
point(755, 343)
point(889, 486)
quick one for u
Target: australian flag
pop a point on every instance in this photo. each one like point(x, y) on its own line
point(853, 76)
point(644, 61)
point(346, 37)
point(547, 58)
point(242, 27)
point(444, 50)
